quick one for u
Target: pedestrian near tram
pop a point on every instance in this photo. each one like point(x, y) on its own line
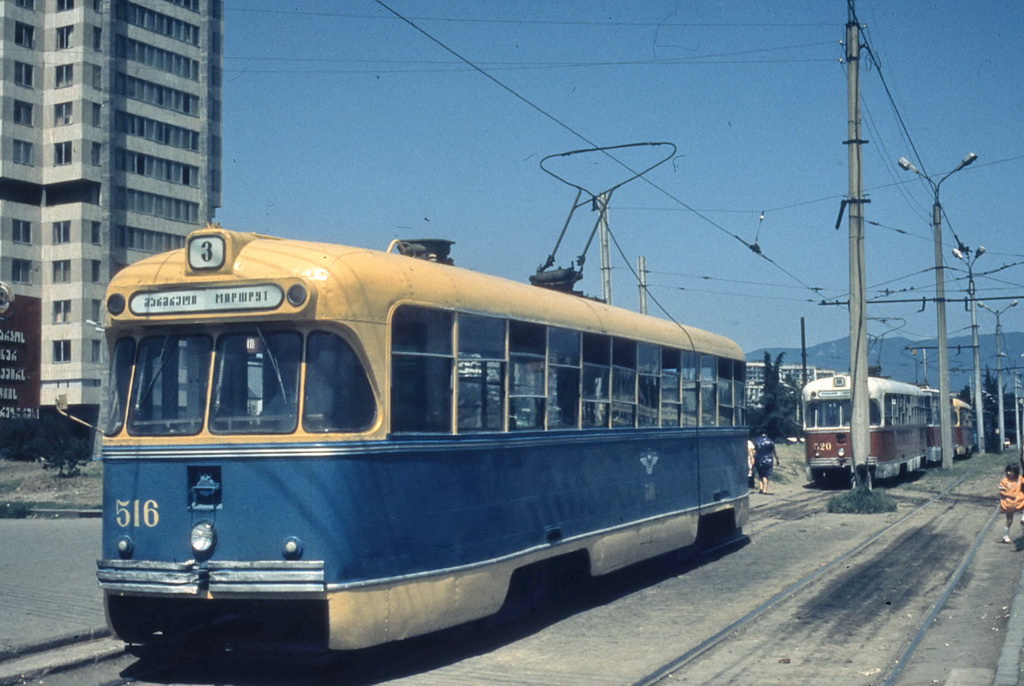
point(765, 460)
point(1011, 497)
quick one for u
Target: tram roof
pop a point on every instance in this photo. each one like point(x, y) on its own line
point(364, 284)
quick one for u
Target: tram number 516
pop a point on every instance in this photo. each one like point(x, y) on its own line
point(137, 513)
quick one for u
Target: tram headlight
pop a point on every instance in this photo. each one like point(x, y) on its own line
point(296, 295)
point(203, 538)
point(841, 452)
point(292, 548)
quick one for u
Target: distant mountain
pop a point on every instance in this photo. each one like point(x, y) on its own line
point(896, 360)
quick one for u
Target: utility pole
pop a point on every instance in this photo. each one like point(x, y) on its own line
point(606, 261)
point(859, 428)
point(641, 267)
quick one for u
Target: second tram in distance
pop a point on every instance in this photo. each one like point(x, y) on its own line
point(899, 416)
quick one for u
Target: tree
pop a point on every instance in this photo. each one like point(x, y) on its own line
point(776, 415)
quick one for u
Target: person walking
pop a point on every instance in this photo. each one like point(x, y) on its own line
point(765, 460)
point(1011, 497)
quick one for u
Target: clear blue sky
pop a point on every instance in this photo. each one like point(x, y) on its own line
point(344, 123)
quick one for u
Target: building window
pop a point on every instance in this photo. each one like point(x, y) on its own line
point(61, 232)
point(24, 35)
point(94, 310)
point(97, 153)
point(61, 351)
point(21, 271)
point(23, 153)
point(61, 271)
point(61, 311)
point(96, 268)
point(65, 75)
point(23, 74)
point(64, 34)
point(62, 153)
point(26, 4)
point(97, 76)
point(23, 113)
point(97, 38)
point(97, 351)
point(21, 231)
point(97, 236)
point(97, 111)
point(63, 113)
point(65, 5)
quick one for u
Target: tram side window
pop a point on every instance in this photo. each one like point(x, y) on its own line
point(623, 383)
point(740, 393)
point(596, 377)
point(563, 379)
point(671, 410)
point(708, 383)
point(828, 413)
point(421, 370)
point(338, 393)
point(725, 392)
point(526, 394)
point(691, 404)
point(171, 377)
point(648, 384)
point(481, 372)
point(117, 389)
point(256, 383)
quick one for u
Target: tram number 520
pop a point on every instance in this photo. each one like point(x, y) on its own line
point(137, 513)
point(825, 446)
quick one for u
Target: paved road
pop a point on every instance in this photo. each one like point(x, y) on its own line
point(48, 586)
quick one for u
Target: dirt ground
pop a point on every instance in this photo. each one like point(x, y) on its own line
point(28, 482)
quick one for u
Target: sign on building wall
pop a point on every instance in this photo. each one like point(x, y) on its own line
point(20, 326)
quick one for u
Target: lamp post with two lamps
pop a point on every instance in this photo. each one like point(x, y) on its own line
point(945, 425)
point(963, 253)
point(999, 369)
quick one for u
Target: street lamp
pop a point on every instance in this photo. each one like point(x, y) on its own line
point(964, 254)
point(946, 428)
point(999, 368)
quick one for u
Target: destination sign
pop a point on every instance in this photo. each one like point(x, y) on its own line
point(216, 299)
point(833, 394)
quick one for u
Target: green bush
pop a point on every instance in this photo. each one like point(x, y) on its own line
point(14, 510)
point(52, 440)
point(861, 501)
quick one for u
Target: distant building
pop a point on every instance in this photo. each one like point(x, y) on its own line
point(790, 374)
point(111, 151)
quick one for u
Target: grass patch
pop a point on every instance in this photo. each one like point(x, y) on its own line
point(861, 501)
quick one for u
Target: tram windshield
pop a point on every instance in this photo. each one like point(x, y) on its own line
point(254, 384)
point(821, 414)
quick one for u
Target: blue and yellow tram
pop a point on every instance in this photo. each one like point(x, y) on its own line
point(323, 443)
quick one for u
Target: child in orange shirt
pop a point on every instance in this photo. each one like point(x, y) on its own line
point(1011, 497)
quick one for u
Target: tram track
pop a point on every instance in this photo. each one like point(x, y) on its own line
point(792, 592)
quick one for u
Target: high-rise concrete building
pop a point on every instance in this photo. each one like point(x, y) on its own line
point(111, 151)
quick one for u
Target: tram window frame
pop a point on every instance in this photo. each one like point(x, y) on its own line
point(564, 378)
point(726, 405)
point(122, 363)
point(708, 390)
point(480, 372)
point(648, 385)
point(624, 380)
point(181, 409)
point(527, 375)
point(691, 388)
point(337, 397)
point(422, 366)
point(671, 388)
point(596, 387)
point(256, 379)
point(740, 392)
